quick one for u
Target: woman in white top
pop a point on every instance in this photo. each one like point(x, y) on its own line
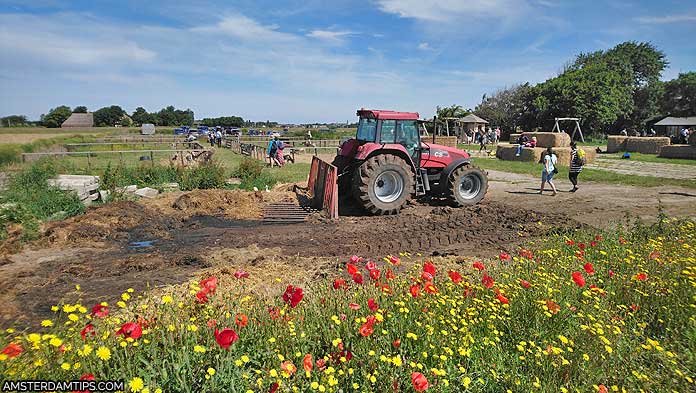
point(549, 170)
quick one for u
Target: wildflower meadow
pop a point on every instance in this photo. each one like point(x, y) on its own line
point(581, 312)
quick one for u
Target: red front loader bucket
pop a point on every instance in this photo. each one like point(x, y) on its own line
point(322, 186)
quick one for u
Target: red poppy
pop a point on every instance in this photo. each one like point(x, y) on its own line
point(374, 274)
point(354, 306)
point(425, 276)
point(339, 283)
point(503, 299)
point(588, 268)
point(370, 265)
point(386, 289)
point(525, 284)
point(274, 387)
point(202, 295)
point(85, 377)
point(366, 329)
point(288, 367)
point(307, 363)
point(487, 281)
point(641, 276)
point(396, 343)
point(654, 254)
point(211, 323)
point(524, 253)
point(394, 260)
point(429, 268)
point(578, 279)
point(414, 289)
point(226, 337)
point(611, 273)
point(372, 305)
point(390, 274)
point(420, 383)
point(355, 259)
point(100, 311)
point(209, 283)
point(580, 254)
point(634, 307)
point(622, 241)
point(358, 278)
point(293, 295)
point(581, 246)
point(352, 269)
point(593, 243)
point(602, 389)
point(598, 237)
point(274, 313)
point(504, 256)
point(130, 329)
point(478, 265)
point(239, 274)
point(321, 364)
point(430, 288)
point(12, 350)
point(455, 276)
point(88, 329)
point(241, 320)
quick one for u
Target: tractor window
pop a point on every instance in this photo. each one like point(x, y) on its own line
point(387, 132)
point(367, 130)
point(407, 135)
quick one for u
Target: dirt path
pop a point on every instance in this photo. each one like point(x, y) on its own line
point(655, 169)
point(596, 204)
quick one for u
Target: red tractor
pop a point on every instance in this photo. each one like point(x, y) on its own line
point(387, 163)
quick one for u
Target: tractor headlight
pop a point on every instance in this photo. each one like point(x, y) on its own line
point(440, 153)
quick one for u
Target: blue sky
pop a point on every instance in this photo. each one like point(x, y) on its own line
point(310, 60)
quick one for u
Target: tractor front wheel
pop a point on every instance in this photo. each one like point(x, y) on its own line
point(467, 186)
point(383, 184)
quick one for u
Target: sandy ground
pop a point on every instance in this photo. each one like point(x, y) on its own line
point(25, 138)
point(191, 234)
point(656, 169)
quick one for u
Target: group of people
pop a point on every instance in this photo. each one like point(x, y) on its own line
point(483, 136)
point(215, 138)
point(684, 135)
point(275, 151)
point(550, 162)
point(643, 133)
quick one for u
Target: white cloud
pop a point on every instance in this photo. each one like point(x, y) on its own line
point(665, 19)
point(424, 46)
point(244, 28)
point(449, 10)
point(334, 37)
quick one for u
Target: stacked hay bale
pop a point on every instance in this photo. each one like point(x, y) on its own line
point(681, 151)
point(559, 141)
point(450, 141)
point(644, 145)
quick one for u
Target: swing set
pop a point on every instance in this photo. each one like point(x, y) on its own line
point(557, 128)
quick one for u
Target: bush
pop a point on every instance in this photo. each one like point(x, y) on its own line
point(252, 174)
point(204, 176)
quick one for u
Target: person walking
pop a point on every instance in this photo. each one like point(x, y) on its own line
point(218, 138)
point(577, 161)
point(549, 160)
point(483, 140)
point(272, 151)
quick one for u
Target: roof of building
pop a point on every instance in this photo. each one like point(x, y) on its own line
point(472, 119)
point(79, 120)
point(388, 115)
point(677, 121)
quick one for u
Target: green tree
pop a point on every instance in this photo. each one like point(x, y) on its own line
point(166, 116)
point(140, 116)
point(506, 108)
point(56, 116)
point(680, 96)
point(13, 121)
point(108, 116)
point(80, 109)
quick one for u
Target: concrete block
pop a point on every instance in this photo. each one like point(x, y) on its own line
point(146, 192)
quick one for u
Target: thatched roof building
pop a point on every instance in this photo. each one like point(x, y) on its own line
point(81, 120)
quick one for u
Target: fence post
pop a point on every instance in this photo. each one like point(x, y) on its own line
point(120, 158)
point(152, 159)
point(89, 163)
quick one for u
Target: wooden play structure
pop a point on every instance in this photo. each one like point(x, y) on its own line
point(557, 127)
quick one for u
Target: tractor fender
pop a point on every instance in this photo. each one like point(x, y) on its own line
point(396, 152)
point(447, 171)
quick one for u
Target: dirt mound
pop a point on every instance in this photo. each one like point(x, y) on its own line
point(116, 221)
point(236, 204)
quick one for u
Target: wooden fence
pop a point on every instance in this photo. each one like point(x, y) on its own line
point(323, 187)
point(145, 155)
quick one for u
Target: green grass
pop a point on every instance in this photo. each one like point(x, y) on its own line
point(649, 158)
point(594, 175)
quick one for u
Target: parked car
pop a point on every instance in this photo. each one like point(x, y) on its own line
point(183, 130)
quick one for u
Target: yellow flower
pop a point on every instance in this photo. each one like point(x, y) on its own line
point(136, 384)
point(608, 349)
point(65, 366)
point(315, 385)
point(73, 317)
point(77, 287)
point(273, 373)
point(211, 371)
point(56, 342)
point(121, 304)
point(199, 349)
point(104, 353)
point(245, 358)
point(166, 299)
point(34, 338)
point(46, 323)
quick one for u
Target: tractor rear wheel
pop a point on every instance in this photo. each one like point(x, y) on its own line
point(383, 184)
point(467, 186)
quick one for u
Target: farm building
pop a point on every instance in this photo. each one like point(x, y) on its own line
point(670, 126)
point(79, 120)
